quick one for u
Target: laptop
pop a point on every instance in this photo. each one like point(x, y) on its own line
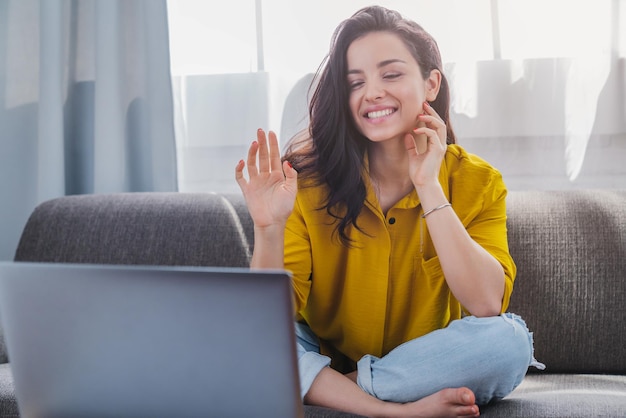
point(93, 340)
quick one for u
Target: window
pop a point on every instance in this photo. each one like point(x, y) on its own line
point(539, 65)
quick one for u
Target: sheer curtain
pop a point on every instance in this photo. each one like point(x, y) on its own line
point(538, 86)
point(86, 103)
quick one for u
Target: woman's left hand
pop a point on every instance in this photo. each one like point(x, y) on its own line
point(424, 166)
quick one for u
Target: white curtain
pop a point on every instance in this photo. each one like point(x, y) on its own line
point(538, 86)
point(86, 103)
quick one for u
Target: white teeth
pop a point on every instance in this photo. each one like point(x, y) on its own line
point(380, 113)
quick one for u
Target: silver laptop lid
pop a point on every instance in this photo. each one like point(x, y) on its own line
point(87, 340)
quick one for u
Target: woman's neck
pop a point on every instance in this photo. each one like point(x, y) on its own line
point(388, 161)
point(389, 172)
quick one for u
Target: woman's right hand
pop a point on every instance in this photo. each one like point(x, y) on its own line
point(270, 192)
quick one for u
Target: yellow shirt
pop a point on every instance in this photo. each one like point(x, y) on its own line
point(389, 287)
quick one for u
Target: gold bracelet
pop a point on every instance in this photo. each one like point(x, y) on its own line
point(434, 209)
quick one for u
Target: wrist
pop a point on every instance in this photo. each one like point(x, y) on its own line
point(271, 230)
point(436, 208)
point(269, 246)
point(431, 193)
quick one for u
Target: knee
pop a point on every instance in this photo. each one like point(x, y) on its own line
point(518, 338)
point(506, 352)
point(522, 343)
point(506, 337)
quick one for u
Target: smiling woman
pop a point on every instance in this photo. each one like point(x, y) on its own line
point(387, 244)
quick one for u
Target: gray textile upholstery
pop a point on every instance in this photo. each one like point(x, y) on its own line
point(8, 404)
point(563, 395)
point(569, 247)
point(140, 228)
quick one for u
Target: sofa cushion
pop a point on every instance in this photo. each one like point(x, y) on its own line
point(8, 404)
point(570, 250)
point(562, 395)
point(321, 412)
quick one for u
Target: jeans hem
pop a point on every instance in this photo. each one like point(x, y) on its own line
point(364, 377)
point(310, 365)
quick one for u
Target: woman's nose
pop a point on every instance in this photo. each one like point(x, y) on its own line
point(373, 91)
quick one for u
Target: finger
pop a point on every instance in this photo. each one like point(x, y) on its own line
point(409, 144)
point(291, 175)
point(264, 164)
point(241, 181)
point(432, 118)
point(433, 121)
point(433, 137)
point(252, 151)
point(437, 124)
point(274, 152)
point(428, 109)
point(421, 140)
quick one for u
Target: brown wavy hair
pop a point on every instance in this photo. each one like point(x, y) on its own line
point(332, 152)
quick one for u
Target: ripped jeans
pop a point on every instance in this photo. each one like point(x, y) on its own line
point(490, 356)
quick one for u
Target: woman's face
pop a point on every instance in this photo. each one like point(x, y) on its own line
point(387, 90)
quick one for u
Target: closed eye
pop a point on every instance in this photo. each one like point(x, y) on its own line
point(391, 76)
point(355, 85)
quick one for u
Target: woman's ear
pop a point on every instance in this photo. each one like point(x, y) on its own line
point(433, 83)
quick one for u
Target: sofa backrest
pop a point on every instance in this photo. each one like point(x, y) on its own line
point(570, 251)
point(569, 247)
point(195, 229)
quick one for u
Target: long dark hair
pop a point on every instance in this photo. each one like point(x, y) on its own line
point(333, 152)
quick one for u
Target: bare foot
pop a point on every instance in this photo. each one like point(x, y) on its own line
point(458, 402)
point(337, 391)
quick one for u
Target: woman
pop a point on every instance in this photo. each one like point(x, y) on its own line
point(396, 236)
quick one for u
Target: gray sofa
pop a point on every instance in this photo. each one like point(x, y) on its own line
point(569, 246)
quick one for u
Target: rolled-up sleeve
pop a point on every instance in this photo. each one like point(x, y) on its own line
point(488, 229)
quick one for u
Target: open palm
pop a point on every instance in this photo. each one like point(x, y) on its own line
point(271, 190)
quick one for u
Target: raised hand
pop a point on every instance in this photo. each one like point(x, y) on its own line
point(270, 192)
point(425, 161)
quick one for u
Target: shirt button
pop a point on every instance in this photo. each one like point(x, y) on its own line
point(392, 221)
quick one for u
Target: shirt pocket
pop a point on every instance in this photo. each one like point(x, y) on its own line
point(434, 284)
point(430, 274)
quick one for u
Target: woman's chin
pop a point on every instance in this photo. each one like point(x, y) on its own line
point(382, 139)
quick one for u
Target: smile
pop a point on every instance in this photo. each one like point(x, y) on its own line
point(380, 113)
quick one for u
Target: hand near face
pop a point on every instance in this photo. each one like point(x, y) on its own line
point(270, 192)
point(426, 147)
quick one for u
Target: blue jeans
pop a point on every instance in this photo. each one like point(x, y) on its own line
point(490, 356)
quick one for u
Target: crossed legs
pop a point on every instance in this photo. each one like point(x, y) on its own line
point(447, 372)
